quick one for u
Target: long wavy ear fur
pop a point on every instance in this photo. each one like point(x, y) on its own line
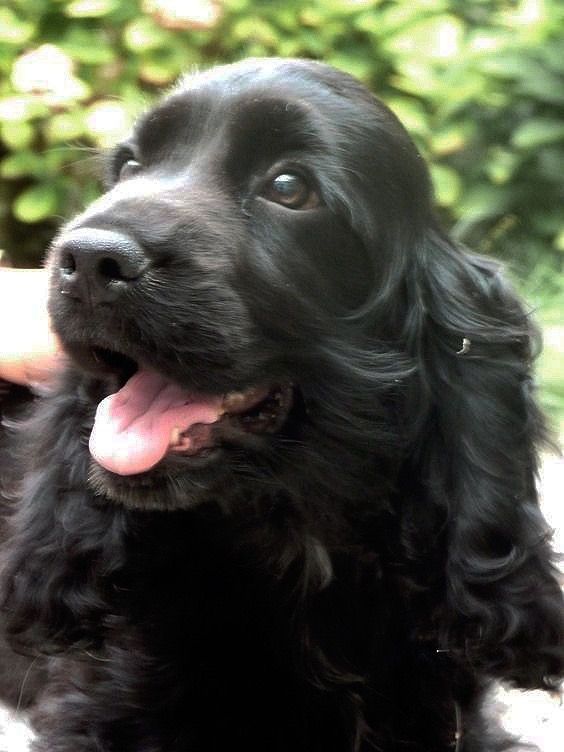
point(61, 548)
point(477, 456)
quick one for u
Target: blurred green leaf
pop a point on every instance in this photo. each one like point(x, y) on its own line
point(452, 138)
point(90, 8)
point(549, 222)
point(88, 46)
point(21, 164)
point(156, 72)
point(254, 29)
point(64, 127)
point(16, 135)
point(107, 121)
point(351, 62)
point(20, 108)
point(417, 77)
point(538, 132)
point(403, 15)
point(480, 202)
point(36, 203)
point(143, 35)
point(447, 184)
point(501, 165)
point(436, 38)
point(550, 160)
point(509, 65)
point(14, 30)
point(411, 112)
point(543, 86)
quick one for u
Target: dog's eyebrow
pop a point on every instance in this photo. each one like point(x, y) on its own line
point(163, 124)
point(250, 121)
point(286, 122)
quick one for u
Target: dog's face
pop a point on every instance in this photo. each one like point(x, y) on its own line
point(262, 311)
point(218, 285)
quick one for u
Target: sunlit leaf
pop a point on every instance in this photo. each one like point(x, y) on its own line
point(481, 201)
point(14, 30)
point(107, 122)
point(501, 164)
point(447, 184)
point(416, 77)
point(355, 64)
point(255, 29)
point(36, 203)
point(156, 73)
point(64, 127)
point(507, 65)
point(411, 113)
point(20, 108)
point(90, 8)
point(21, 164)
point(438, 38)
point(16, 135)
point(90, 47)
point(143, 35)
point(544, 86)
point(451, 138)
point(402, 15)
point(538, 132)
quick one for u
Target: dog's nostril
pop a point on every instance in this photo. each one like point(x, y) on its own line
point(96, 265)
point(67, 264)
point(111, 270)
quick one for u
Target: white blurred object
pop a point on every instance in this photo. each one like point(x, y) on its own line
point(533, 717)
point(15, 736)
point(47, 72)
point(552, 497)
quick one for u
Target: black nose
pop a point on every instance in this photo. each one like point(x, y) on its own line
point(97, 266)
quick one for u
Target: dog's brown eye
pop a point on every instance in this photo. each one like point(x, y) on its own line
point(128, 169)
point(292, 191)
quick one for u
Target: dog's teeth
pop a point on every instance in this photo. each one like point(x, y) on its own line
point(175, 436)
point(235, 401)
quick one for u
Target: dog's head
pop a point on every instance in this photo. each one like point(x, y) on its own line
point(224, 285)
point(268, 307)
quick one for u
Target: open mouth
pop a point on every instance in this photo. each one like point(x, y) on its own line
point(150, 416)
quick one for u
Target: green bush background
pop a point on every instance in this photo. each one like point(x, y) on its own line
point(479, 84)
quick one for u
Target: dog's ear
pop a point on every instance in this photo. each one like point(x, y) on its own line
point(61, 546)
point(478, 429)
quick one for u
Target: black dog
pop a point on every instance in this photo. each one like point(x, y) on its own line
point(284, 498)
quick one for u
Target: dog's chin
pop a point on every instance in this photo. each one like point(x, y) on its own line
point(176, 483)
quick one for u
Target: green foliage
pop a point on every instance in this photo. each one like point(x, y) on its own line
point(479, 84)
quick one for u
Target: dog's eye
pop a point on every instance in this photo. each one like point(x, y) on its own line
point(292, 191)
point(123, 163)
point(128, 169)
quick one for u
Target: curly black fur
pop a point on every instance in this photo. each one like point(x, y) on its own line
point(351, 582)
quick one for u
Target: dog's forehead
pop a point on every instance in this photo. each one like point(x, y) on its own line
point(193, 111)
point(260, 98)
point(308, 79)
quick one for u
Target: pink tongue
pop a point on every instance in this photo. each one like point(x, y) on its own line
point(132, 429)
